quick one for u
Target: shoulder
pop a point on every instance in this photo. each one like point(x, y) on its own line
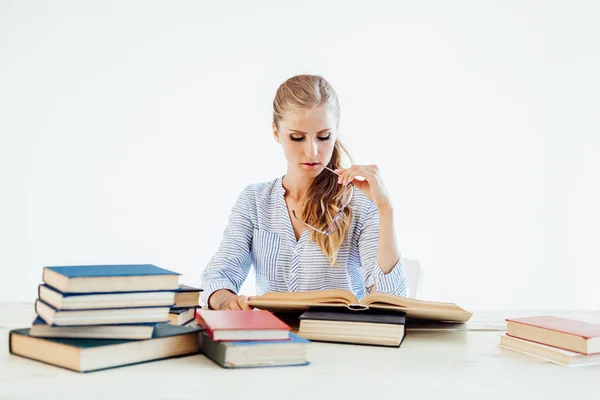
point(261, 192)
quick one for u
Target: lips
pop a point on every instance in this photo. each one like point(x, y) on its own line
point(311, 164)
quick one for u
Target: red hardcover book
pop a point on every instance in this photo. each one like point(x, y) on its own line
point(569, 334)
point(236, 325)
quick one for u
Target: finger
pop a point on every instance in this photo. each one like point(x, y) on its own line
point(358, 173)
point(242, 303)
point(233, 304)
point(344, 176)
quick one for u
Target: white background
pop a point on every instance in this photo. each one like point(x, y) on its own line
point(128, 129)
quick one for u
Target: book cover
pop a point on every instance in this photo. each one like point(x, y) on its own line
point(252, 354)
point(82, 301)
point(337, 298)
point(110, 278)
point(582, 329)
point(40, 328)
point(242, 325)
point(373, 317)
point(582, 337)
point(88, 271)
point(87, 355)
point(111, 316)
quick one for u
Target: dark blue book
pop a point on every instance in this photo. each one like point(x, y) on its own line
point(110, 278)
point(83, 301)
point(86, 355)
point(370, 327)
point(112, 316)
point(256, 353)
point(126, 331)
point(187, 296)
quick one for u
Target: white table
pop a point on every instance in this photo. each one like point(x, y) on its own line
point(458, 364)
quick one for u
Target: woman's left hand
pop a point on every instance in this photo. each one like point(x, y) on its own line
point(372, 185)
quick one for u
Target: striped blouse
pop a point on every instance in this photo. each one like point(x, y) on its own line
point(259, 233)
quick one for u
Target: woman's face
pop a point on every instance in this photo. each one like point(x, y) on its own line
point(308, 138)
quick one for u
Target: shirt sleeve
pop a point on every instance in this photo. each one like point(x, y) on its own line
point(229, 266)
point(395, 281)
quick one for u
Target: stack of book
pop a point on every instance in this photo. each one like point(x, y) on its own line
point(235, 339)
point(187, 299)
point(102, 316)
point(558, 340)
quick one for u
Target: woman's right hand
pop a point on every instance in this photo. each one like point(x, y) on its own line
point(224, 299)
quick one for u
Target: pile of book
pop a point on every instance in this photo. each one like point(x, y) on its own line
point(256, 338)
point(101, 316)
point(558, 340)
point(335, 315)
point(187, 299)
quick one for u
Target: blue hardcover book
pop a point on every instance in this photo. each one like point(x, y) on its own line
point(86, 355)
point(110, 278)
point(40, 328)
point(245, 354)
point(111, 316)
point(84, 301)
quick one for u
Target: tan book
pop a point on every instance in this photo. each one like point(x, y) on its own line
point(580, 336)
point(548, 353)
point(415, 309)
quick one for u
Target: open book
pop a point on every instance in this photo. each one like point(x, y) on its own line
point(301, 301)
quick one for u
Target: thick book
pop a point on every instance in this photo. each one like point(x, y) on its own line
point(187, 296)
point(548, 353)
point(181, 316)
point(374, 327)
point(127, 331)
point(87, 355)
point(110, 316)
point(579, 336)
point(245, 354)
point(242, 325)
point(110, 278)
point(83, 301)
point(415, 309)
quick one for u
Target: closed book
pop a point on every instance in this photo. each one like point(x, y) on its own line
point(579, 336)
point(86, 355)
point(110, 278)
point(181, 316)
point(56, 317)
point(240, 354)
point(374, 327)
point(549, 353)
point(187, 296)
point(242, 325)
point(82, 301)
point(127, 331)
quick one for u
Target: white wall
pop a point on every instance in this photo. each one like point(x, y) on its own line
point(128, 130)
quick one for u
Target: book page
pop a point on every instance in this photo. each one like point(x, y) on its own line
point(302, 300)
point(417, 309)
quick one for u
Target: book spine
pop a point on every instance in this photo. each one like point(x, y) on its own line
point(214, 350)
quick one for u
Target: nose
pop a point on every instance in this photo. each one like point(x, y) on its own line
point(311, 149)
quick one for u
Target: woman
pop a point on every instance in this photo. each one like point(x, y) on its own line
point(317, 227)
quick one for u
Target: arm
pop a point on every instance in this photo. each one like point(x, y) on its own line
point(381, 266)
point(380, 259)
point(229, 267)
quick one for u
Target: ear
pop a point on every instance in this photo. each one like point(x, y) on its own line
point(275, 134)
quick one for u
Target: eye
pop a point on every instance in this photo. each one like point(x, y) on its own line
point(324, 137)
point(297, 138)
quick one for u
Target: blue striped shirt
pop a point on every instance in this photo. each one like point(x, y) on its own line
point(259, 233)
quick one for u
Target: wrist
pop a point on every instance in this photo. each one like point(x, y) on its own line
point(386, 208)
point(218, 297)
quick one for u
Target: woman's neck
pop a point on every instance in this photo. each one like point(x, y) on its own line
point(296, 186)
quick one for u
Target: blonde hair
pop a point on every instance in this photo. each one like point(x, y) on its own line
point(322, 201)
